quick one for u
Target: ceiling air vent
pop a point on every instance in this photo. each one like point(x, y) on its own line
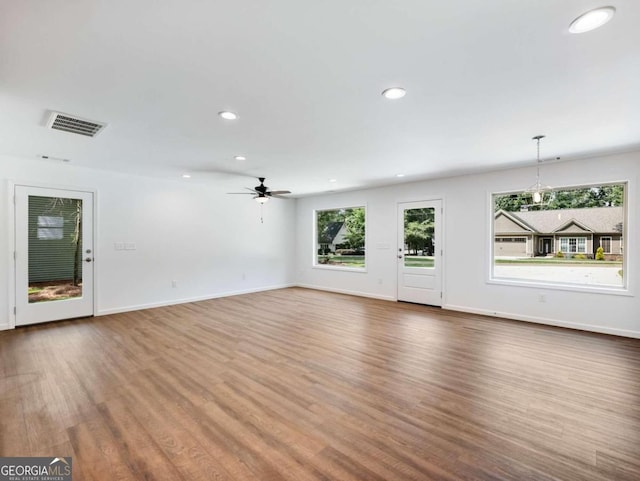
point(75, 125)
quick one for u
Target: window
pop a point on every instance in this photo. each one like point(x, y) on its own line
point(50, 227)
point(567, 227)
point(573, 245)
point(340, 238)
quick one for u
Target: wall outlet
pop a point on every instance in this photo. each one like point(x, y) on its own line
point(380, 280)
point(129, 246)
point(118, 246)
point(174, 283)
point(244, 276)
point(542, 298)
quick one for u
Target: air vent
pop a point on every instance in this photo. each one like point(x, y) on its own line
point(75, 125)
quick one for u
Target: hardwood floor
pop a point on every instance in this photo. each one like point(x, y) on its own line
point(305, 385)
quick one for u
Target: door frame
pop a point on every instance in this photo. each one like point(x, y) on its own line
point(427, 198)
point(11, 217)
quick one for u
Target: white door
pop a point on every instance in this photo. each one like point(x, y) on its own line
point(53, 255)
point(420, 252)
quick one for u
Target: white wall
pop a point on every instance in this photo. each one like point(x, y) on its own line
point(190, 231)
point(466, 246)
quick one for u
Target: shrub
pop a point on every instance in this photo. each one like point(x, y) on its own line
point(580, 256)
point(600, 254)
point(560, 254)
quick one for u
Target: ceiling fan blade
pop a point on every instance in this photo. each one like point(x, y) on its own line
point(278, 192)
point(241, 193)
point(277, 196)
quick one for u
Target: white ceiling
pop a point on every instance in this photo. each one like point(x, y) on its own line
point(305, 77)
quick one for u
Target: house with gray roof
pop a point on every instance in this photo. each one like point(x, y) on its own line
point(570, 231)
point(332, 236)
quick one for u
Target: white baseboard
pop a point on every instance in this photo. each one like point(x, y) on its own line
point(173, 302)
point(549, 322)
point(4, 327)
point(348, 292)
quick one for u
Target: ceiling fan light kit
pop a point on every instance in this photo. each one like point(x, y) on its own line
point(262, 194)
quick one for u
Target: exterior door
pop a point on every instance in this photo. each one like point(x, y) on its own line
point(420, 252)
point(54, 254)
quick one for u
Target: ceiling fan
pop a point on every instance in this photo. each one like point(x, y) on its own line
point(262, 194)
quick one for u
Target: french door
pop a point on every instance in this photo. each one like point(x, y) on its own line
point(420, 252)
point(53, 254)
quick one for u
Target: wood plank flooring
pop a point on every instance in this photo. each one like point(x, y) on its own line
point(303, 385)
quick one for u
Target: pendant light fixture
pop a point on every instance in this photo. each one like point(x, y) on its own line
point(538, 190)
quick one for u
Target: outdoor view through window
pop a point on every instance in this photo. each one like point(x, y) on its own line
point(575, 236)
point(341, 237)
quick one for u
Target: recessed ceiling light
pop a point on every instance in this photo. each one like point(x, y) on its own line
point(333, 180)
point(394, 93)
point(225, 114)
point(240, 157)
point(186, 176)
point(592, 20)
point(399, 175)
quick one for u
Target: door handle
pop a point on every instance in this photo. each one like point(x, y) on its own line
point(399, 257)
point(88, 259)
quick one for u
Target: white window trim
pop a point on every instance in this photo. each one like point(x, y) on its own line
point(316, 246)
point(629, 213)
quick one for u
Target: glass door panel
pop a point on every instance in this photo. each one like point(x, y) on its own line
point(55, 249)
point(419, 225)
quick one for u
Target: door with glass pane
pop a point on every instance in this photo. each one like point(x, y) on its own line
point(420, 252)
point(54, 254)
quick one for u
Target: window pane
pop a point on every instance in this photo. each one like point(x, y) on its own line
point(582, 244)
point(418, 237)
point(556, 242)
point(55, 249)
point(340, 238)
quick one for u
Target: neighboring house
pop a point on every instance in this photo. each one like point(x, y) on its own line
point(332, 236)
point(570, 231)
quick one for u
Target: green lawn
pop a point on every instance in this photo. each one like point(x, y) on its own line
point(358, 261)
point(557, 261)
point(418, 261)
point(343, 261)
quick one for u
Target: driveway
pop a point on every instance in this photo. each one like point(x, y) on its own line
point(578, 274)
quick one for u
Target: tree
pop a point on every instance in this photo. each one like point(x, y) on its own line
point(418, 229)
point(512, 202)
point(355, 225)
point(324, 218)
point(71, 209)
point(416, 235)
point(585, 197)
point(600, 254)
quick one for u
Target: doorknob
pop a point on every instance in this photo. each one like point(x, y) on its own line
point(88, 259)
point(399, 257)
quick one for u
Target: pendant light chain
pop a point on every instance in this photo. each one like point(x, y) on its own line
point(538, 162)
point(537, 190)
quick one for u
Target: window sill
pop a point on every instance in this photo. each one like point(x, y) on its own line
point(586, 288)
point(362, 270)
